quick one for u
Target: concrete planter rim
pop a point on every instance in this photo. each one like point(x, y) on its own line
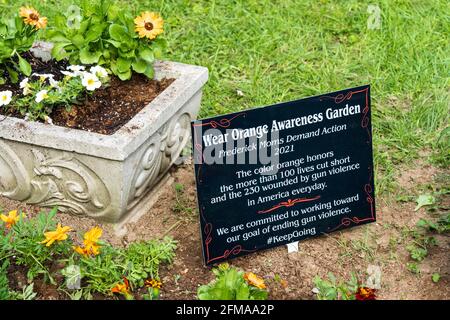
point(188, 79)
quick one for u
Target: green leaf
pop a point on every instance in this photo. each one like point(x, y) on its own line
point(94, 32)
point(116, 44)
point(73, 276)
point(124, 75)
point(19, 24)
point(58, 37)
point(123, 65)
point(84, 26)
point(149, 72)
point(118, 33)
point(417, 253)
point(89, 57)
point(139, 65)
point(113, 12)
point(24, 66)
point(147, 55)
point(106, 54)
point(258, 294)
point(58, 51)
point(422, 223)
point(331, 293)
point(59, 22)
point(203, 293)
point(78, 41)
point(424, 200)
point(332, 278)
point(436, 277)
point(159, 46)
point(243, 292)
point(128, 54)
point(13, 75)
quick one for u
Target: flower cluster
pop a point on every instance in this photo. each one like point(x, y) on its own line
point(38, 241)
point(90, 80)
point(123, 43)
point(41, 92)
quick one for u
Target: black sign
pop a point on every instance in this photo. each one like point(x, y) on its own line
point(278, 174)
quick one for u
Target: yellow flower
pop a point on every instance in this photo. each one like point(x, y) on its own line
point(11, 219)
point(82, 251)
point(149, 24)
point(153, 284)
point(254, 280)
point(92, 236)
point(60, 234)
point(32, 17)
point(91, 246)
point(93, 249)
point(91, 240)
point(87, 250)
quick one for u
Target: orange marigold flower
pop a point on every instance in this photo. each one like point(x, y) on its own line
point(254, 280)
point(91, 246)
point(152, 283)
point(365, 293)
point(11, 219)
point(82, 251)
point(93, 235)
point(60, 234)
point(122, 288)
point(32, 17)
point(91, 239)
point(88, 250)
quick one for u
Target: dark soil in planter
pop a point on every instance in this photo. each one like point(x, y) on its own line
point(108, 109)
point(104, 111)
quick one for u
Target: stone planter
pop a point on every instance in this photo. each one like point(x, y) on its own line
point(100, 176)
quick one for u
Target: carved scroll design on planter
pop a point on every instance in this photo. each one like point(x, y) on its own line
point(69, 184)
point(14, 179)
point(164, 149)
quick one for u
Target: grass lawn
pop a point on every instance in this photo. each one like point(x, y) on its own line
point(279, 50)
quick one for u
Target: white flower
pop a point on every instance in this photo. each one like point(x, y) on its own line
point(23, 83)
point(43, 76)
point(74, 71)
point(76, 68)
point(70, 74)
point(53, 82)
point(5, 97)
point(47, 76)
point(41, 95)
point(25, 86)
point(99, 71)
point(48, 120)
point(90, 81)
